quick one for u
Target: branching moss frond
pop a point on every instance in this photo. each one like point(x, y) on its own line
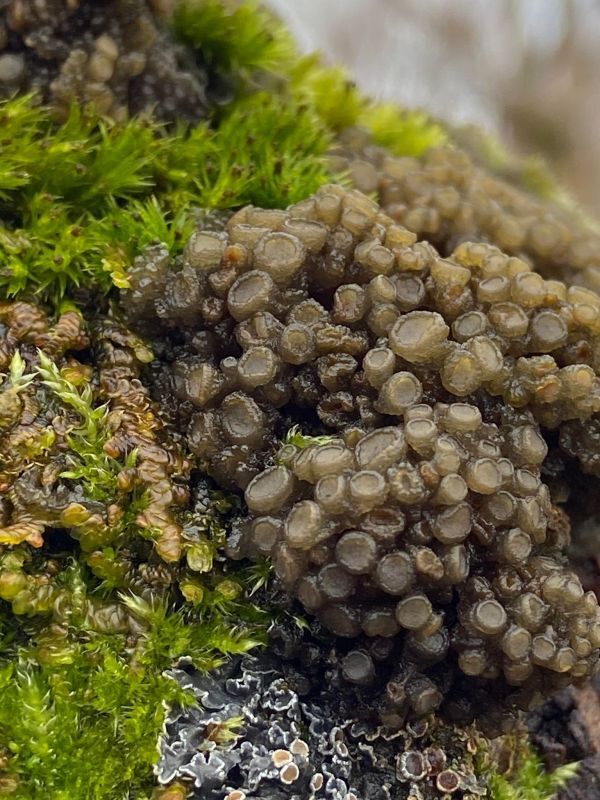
point(88, 461)
point(80, 399)
point(19, 381)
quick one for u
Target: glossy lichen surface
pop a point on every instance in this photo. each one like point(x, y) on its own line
point(425, 521)
point(116, 55)
point(446, 198)
point(322, 304)
point(428, 534)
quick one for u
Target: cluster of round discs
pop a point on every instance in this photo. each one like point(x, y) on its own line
point(380, 533)
point(332, 315)
point(330, 307)
point(446, 198)
point(114, 55)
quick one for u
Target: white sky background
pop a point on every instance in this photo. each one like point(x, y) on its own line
point(464, 60)
point(409, 50)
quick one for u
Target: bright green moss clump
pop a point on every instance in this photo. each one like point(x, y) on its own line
point(79, 201)
point(530, 781)
point(246, 41)
point(404, 133)
point(79, 720)
point(235, 39)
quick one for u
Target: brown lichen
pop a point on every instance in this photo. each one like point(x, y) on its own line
point(359, 323)
point(116, 56)
point(424, 520)
point(446, 198)
point(428, 533)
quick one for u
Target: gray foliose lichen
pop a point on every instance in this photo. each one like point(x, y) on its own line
point(293, 737)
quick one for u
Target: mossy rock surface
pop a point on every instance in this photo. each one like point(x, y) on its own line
point(153, 156)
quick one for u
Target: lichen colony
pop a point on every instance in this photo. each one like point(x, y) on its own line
point(281, 367)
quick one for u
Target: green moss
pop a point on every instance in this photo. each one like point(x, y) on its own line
point(79, 201)
point(235, 38)
point(329, 90)
point(19, 381)
point(56, 185)
point(267, 151)
point(530, 781)
point(88, 462)
point(404, 133)
point(84, 642)
point(296, 438)
point(242, 39)
point(80, 717)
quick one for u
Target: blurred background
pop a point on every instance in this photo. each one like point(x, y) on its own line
point(526, 70)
